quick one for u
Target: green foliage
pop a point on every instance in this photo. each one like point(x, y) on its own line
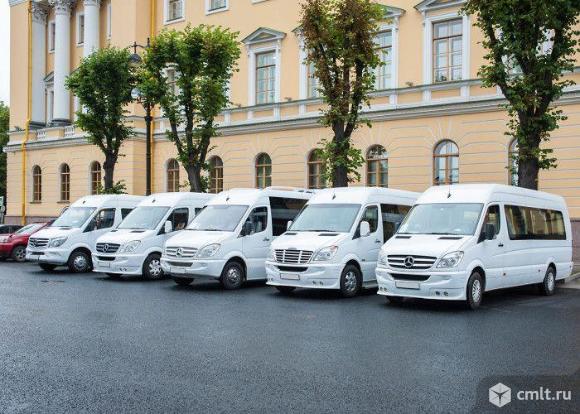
point(339, 36)
point(103, 83)
point(530, 44)
point(118, 188)
point(4, 126)
point(204, 59)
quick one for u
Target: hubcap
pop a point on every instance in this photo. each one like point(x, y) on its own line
point(233, 275)
point(155, 268)
point(476, 291)
point(350, 281)
point(80, 262)
point(551, 281)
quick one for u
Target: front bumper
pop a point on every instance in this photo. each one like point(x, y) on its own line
point(123, 264)
point(319, 275)
point(206, 269)
point(439, 285)
point(51, 256)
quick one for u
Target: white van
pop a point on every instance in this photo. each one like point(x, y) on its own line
point(230, 239)
point(69, 240)
point(335, 241)
point(463, 240)
point(135, 246)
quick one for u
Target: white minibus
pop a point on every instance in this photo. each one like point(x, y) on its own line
point(69, 240)
point(334, 242)
point(463, 240)
point(230, 239)
point(136, 245)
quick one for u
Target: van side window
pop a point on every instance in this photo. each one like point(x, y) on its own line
point(103, 220)
point(125, 212)
point(179, 218)
point(392, 216)
point(371, 214)
point(526, 223)
point(492, 217)
point(259, 219)
point(283, 211)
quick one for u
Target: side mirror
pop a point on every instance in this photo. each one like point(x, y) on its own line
point(489, 231)
point(168, 227)
point(248, 228)
point(289, 224)
point(365, 229)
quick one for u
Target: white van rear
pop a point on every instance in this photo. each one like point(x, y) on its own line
point(463, 240)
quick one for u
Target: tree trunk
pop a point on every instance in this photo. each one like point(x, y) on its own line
point(528, 171)
point(109, 167)
point(340, 172)
point(194, 177)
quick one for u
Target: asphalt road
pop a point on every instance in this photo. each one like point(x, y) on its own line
point(84, 343)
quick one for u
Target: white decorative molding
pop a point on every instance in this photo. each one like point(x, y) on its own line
point(62, 6)
point(39, 12)
point(92, 3)
point(69, 131)
point(428, 5)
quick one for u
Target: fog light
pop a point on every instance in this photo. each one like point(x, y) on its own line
point(446, 293)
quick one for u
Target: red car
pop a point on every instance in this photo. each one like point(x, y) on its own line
point(14, 245)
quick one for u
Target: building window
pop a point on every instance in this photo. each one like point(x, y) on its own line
point(265, 77)
point(36, 184)
point(377, 167)
point(216, 5)
point(51, 36)
point(216, 175)
point(109, 19)
point(313, 84)
point(384, 42)
point(174, 10)
point(64, 183)
point(172, 176)
point(263, 171)
point(80, 29)
point(171, 77)
point(96, 178)
point(446, 163)
point(315, 170)
point(447, 50)
point(513, 162)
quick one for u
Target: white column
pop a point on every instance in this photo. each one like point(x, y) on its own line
point(39, 14)
point(92, 23)
point(62, 10)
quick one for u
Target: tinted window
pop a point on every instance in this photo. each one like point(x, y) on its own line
point(525, 223)
point(492, 217)
point(392, 216)
point(179, 218)
point(259, 219)
point(125, 212)
point(283, 211)
point(371, 215)
point(104, 219)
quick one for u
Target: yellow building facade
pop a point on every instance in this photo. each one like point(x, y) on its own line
point(433, 122)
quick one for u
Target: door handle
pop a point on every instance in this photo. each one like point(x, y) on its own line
point(500, 244)
point(266, 239)
point(378, 242)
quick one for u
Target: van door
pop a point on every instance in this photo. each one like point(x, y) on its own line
point(492, 252)
point(101, 223)
point(256, 238)
point(367, 248)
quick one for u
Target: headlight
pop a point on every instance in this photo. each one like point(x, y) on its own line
point(208, 251)
point(325, 254)
point(450, 260)
point(59, 241)
point(383, 260)
point(130, 247)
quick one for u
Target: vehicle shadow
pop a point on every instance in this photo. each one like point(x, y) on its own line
point(321, 294)
point(215, 286)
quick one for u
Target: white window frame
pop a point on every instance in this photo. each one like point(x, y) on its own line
point(109, 19)
point(253, 52)
point(80, 33)
point(51, 36)
point(208, 10)
point(166, 13)
point(393, 27)
point(49, 104)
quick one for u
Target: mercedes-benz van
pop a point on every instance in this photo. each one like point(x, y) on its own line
point(135, 246)
point(463, 240)
point(69, 240)
point(230, 239)
point(334, 242)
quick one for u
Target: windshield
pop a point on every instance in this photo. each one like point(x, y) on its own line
point(74, 217)
point(218, 218)
point(31, 228)
point(444, 218)
point(144, 218)
point(326, 217)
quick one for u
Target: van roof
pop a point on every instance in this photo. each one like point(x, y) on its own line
point(249, 196)
point(362, 195)
point(99, 200)
point(172, 199)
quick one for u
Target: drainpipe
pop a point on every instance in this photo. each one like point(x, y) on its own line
point(28, 114)
point(151, 132)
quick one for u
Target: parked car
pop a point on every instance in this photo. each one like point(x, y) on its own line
point(463, 240)
point(334, 242)
point(14, 245)
point(69, 240)
point(136, 245)
point(9, 228)
point(230, 239)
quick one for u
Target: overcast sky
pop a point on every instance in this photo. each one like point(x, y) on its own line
point(4, 51)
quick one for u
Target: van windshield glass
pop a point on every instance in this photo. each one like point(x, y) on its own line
point(218, 218)
point(442, 218)
point(74, 217)
point(144, 218)
point(326, 217)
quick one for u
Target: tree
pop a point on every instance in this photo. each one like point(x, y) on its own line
point(4, 125)
point(531, 44)
point(339, 37)
point(103, 83)
point(203, 59)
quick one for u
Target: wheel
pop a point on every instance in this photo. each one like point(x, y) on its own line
point(232, 276)
point(19, 254)
point(47, 267)
point(285, 289)
point(183, 281)
point(114, 275)
point(474, 290)
point(394, 300)
point(152, 267)
point(350, 281)
point(79, 262)
point(548, 286)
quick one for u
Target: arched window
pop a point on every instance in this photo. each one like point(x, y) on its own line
point(96, 177)
point(315, 169)
point(377, 167)
point(172, 176)
point(64, 183)
point(446, 163)
point(263, 171)
point(36, 184)
point(513, 153)
point(216, 175)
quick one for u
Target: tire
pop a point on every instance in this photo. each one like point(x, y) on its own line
point(285, 289)
point(233, 276)
point(548, 286)
point(183, 281)
point(152, 267)
point(394, 300)
point(47, 267)
point(474, 291)
point(18, 254)
point(79, 262)
point(350, 281)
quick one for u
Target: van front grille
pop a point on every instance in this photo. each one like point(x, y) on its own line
point(415, 278)
point(293, 256)
point(35, 242)
point(401, 261)
point(107, 248)
point(180, 252)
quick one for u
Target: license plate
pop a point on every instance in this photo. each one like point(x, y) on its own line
point(178, 270)
point(407, 285)
point(289, 276)
point(105, 264)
